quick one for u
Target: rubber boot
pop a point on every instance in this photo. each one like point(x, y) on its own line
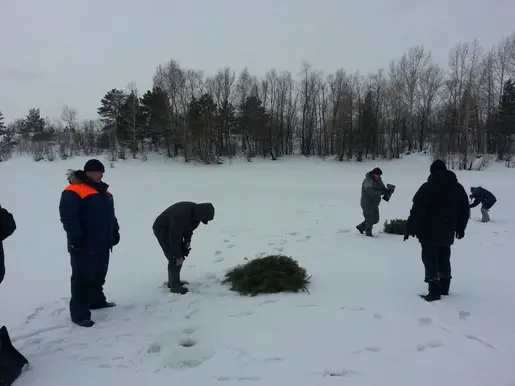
point(485, 216)
point(183, 282)
point(361, 227)
point(434, 291)
point(444, 286)
point(174, 281)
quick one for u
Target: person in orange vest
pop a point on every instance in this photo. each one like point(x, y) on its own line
point(88, 217)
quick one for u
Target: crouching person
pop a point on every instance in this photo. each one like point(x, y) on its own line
point(88, 217)
point(439, 213)
point(482, 196)
point(173, 229)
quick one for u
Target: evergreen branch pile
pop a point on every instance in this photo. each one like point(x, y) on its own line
point(268, 274)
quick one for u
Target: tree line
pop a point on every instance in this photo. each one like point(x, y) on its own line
point(461, 113)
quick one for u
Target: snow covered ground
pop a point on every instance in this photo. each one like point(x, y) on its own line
point(361, 324)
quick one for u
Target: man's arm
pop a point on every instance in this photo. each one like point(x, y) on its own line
point(417, 211)
point(69, 208)
point(474, 204)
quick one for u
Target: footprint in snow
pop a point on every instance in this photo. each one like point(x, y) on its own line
point(479, 340)
point(188, 342)
point(218, 253)
point(368, 349)
point(424, 321)
point(432, 344)
point(218, 260)
point(231, 246)
point(339, 373)
point(240, 314)
point(464, 315)
point(343, 231)
point(190, 330)
point(225, 378)
point(271, 301)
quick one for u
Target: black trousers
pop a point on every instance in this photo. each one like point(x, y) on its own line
point(89, 273)
point(437, 262)
point(162, 238)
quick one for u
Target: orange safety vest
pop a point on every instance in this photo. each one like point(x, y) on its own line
point(83, 190)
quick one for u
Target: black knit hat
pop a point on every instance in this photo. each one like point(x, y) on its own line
point(377, 171)
point(94, 165)
point(438, 165)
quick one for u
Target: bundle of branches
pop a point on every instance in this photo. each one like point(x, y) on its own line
point(268, 274)
point(396, 227)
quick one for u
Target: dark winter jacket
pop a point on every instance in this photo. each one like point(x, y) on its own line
point(371, 192)
point(7, 228)
point(482, 196)
point(179, 221)
point(440, 210)
point(88, 215)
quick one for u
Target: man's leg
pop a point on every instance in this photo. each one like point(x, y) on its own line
point(361, 227)
point(174, 271)
point(485, 216)
point(81, 283)
point(174, 278)
point(97, 297)
point(430, 260)
point(444, 267)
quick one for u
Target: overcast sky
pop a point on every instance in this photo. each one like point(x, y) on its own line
point(56, 52)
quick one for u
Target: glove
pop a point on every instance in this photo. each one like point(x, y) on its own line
point(460, 234)
point(116, 238)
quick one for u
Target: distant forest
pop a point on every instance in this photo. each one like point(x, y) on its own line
point(464, 113)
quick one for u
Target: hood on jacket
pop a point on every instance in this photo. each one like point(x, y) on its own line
point(204, 212)
point(444, 177)
point(74, 177)
point(80, 177)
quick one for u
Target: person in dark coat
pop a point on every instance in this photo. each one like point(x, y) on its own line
point(439, 213)
point(173, 229)
point(484, 197)
point(12, 362)
point(88, 217)
point(372, 190)
point(7, 228)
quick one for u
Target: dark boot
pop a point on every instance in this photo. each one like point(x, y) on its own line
point(368, 231)
point(444, 286)
point(361, 227)
point(85, 323)
point(434, 291)
point(183, 282)
point(174, 281)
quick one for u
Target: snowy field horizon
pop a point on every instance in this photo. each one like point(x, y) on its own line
point(362, 322)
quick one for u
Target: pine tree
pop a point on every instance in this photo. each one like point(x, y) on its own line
point(506, 119)
point(2, 124)
point(33, 124)
point(111, 115)
point(155, 113)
